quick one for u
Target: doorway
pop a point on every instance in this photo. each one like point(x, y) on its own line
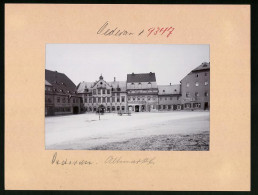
point(137, 108)
point(206, 106)
point(75, 110)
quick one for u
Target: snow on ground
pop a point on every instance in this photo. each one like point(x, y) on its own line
point(85, 131)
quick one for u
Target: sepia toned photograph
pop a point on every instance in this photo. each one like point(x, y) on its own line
point(129, 97)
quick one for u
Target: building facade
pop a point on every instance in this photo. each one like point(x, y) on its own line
point(142, 92)
point(139, 93)
point(103, 95)
point(195, 88)
point(169, 97)
point(60, 95)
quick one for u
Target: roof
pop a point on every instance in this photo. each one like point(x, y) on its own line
point(143, 77)
point(47, 83)
point(169, 89)
point(88, 85)
point(118, 84)
point(203, 66)
point(60, 82)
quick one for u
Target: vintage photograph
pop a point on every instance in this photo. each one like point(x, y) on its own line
point(131, 97)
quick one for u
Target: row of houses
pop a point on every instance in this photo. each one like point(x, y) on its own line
point(139, 93)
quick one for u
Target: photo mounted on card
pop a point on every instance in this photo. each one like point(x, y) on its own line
point(134, 97)
point(162, 104)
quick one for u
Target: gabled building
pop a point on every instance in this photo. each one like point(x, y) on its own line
point(103, 95)
point(169, 97)
point(195, 88)
point(60, 95)
point(142, 92)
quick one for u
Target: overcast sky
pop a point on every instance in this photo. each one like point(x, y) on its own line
point(85, 62)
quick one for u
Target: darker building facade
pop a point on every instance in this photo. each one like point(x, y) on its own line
point(60, 95)
point(195, 88)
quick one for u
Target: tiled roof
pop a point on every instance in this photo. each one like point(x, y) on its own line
point(203, 66)
point(60, 82)
point(169, 89)
point(88, 85)
point(143, 77)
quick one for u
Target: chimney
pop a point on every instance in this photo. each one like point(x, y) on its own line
point(170, 83)
point(114, 78)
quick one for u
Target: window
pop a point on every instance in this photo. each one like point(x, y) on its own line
point(178, 98)
point(73, 100)
point(206, 83)
point(159, 107)
point(63, 100)
point(85, 100)
point(206, 94)
point(196, 105)
point(129, 98)
point(187, 94)
point(94, 91)
point(99, 99)
point(103, 100)
point(188, 105)
point(163, 90)
point(118, 99)
point(90, 100)
point(104, 91)
point(164, 107)
point(123, 99)
point(187, 84)
point(118, 108)
point(196, 94)
point(108, 99)
point(196, 84)
point(108, 91)
point(94, 100)
point(169, 107)
point(138, 98)
point(133, 98)
point(113, 99)
point(197, 75)
point(99, 91)
point(123, 108)
point(58, 99)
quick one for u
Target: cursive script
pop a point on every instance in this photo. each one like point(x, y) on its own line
point(120, 160)
point(104, 30)
point(56, 161)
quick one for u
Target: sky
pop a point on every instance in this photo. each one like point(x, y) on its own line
point(86, 62)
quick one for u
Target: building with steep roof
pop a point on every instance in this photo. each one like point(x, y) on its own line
point(60, 95)
point(103, 95)
point(195, 88)
point(142, 92)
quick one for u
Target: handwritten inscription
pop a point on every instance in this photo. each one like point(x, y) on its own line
point(65, 161)
point(109, 160)
point(120, 160)
point(106, 30)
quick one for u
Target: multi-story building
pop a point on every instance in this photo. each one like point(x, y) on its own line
point(60, 95)
point(195, 88)
point(142, 92)
point(103, 95)
point(169, 97)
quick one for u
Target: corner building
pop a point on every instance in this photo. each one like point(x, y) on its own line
point(195, 88)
